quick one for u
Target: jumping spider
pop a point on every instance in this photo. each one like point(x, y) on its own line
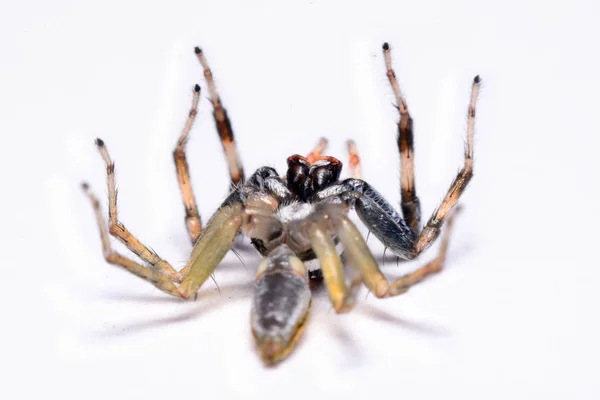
point(291, 219)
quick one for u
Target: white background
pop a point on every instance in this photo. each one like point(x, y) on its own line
point(514, 315)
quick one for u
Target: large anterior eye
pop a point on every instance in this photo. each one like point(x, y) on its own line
point(324, 172)
point(297, 173)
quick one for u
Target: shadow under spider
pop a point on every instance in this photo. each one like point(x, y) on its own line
point(352, 347)
point(404, 323)
point(202, 304)
point(239, 291)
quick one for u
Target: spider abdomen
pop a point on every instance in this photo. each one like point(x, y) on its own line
point(281, 302)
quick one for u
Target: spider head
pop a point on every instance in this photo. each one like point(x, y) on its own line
point(305, 179)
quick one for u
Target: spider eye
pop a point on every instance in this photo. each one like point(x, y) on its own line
point(324, 173)
point(297, 173)
point(257, 179)
point(266, 172)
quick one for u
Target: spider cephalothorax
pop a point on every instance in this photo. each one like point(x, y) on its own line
point(295, 218)
point(291, 198)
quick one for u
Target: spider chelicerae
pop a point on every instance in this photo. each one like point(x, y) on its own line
point(292, 219)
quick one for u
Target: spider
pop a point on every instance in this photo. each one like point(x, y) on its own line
point(292, 219)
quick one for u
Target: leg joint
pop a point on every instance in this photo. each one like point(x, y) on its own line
point(116, 229)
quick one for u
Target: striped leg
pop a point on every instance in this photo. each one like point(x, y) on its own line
point(236, 171)
point(118, 230)
point(192, 217)
point(155, 277)
point(411, 207)
point(432, 229)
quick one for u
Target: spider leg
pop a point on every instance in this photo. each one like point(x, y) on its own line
point(341, 296)
point(236, 171)
point(155, 277)
point(118, 230)
point(411, 207)
point(360, 256)
point(192, 217)
point(353, 159)
point(212, 245)
point(376, 213)
point(403, 283)
point(216, 240)
point(432, 229)
point(317, 152)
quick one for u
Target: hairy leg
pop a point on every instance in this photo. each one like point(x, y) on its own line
point(432, 229)
point(118, 230)
point(236, 171)
point(192, 217)
point(411, 208)
point(159, 280)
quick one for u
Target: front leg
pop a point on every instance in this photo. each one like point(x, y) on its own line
point(377, 214)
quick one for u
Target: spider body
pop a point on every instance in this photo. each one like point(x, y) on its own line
point(292, 219)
